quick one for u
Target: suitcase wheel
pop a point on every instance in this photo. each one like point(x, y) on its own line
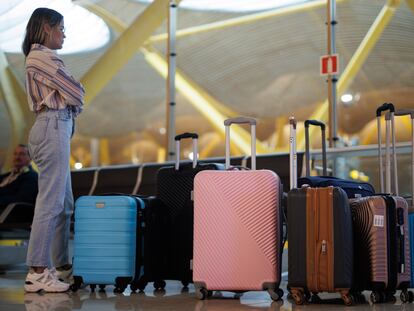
point(375, 297)
point(201, 293)
point(121, 284)
point(159, 285)
point(298, 296)
point(348, 299)
point(406, 296)
point(275, 294)
point(141, 284)
point(77, 283)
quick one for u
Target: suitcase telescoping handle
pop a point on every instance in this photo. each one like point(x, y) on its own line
point(293, 166)
point(388, 124)
point(307, 147)
point(241, 120)
point(178, 138)
point(406, 112)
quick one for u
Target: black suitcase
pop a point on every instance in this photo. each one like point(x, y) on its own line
point(151, 261)
point(174, 189)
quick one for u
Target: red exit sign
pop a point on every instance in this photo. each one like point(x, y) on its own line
point(329, 65)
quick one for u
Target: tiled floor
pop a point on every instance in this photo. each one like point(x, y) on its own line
point(173, 298)
point(12, 297)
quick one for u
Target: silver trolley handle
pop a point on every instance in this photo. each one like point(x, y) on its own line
point(241, 120)
point(383, 108)
point(399, 113)
point(178, 138)
point(293, 157)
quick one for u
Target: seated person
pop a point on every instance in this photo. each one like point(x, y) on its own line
point(20, 184)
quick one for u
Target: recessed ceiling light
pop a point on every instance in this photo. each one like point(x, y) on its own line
point(347, 98)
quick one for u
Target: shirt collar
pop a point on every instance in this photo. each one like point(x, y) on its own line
point(38, 46)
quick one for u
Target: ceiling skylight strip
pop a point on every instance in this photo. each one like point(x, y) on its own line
point(234, 5)
point(84, 30)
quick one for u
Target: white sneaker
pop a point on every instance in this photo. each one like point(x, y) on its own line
point(42, 302)
point(46, 281)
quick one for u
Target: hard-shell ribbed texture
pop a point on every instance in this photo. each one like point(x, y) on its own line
point(236, 223)
point(372, 239)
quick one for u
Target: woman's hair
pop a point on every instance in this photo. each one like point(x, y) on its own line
point(35, 27)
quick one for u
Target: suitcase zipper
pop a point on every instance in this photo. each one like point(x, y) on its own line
point(316, 238)
point(330, 240)
point(316, 261)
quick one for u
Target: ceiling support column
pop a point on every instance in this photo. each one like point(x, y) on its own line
point(355, 63)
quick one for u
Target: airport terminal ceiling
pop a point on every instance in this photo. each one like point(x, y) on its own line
point(258, 61)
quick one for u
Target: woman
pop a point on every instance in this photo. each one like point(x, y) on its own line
point(56, 98)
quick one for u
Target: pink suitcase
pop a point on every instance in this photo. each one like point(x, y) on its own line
point(237, 227)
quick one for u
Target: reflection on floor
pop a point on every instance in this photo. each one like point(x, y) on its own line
point(174, 298)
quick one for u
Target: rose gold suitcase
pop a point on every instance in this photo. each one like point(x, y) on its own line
point(381, 236)
point(237, 228)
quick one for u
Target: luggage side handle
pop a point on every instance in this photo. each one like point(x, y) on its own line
point(307, 147)
point(178, 138)
point(241, 120)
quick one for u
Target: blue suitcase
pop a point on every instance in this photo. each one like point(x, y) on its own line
point(105, 244)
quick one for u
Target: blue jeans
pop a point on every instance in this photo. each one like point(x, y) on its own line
point(49, 147)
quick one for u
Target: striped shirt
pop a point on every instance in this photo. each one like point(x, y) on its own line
point(49, 84)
